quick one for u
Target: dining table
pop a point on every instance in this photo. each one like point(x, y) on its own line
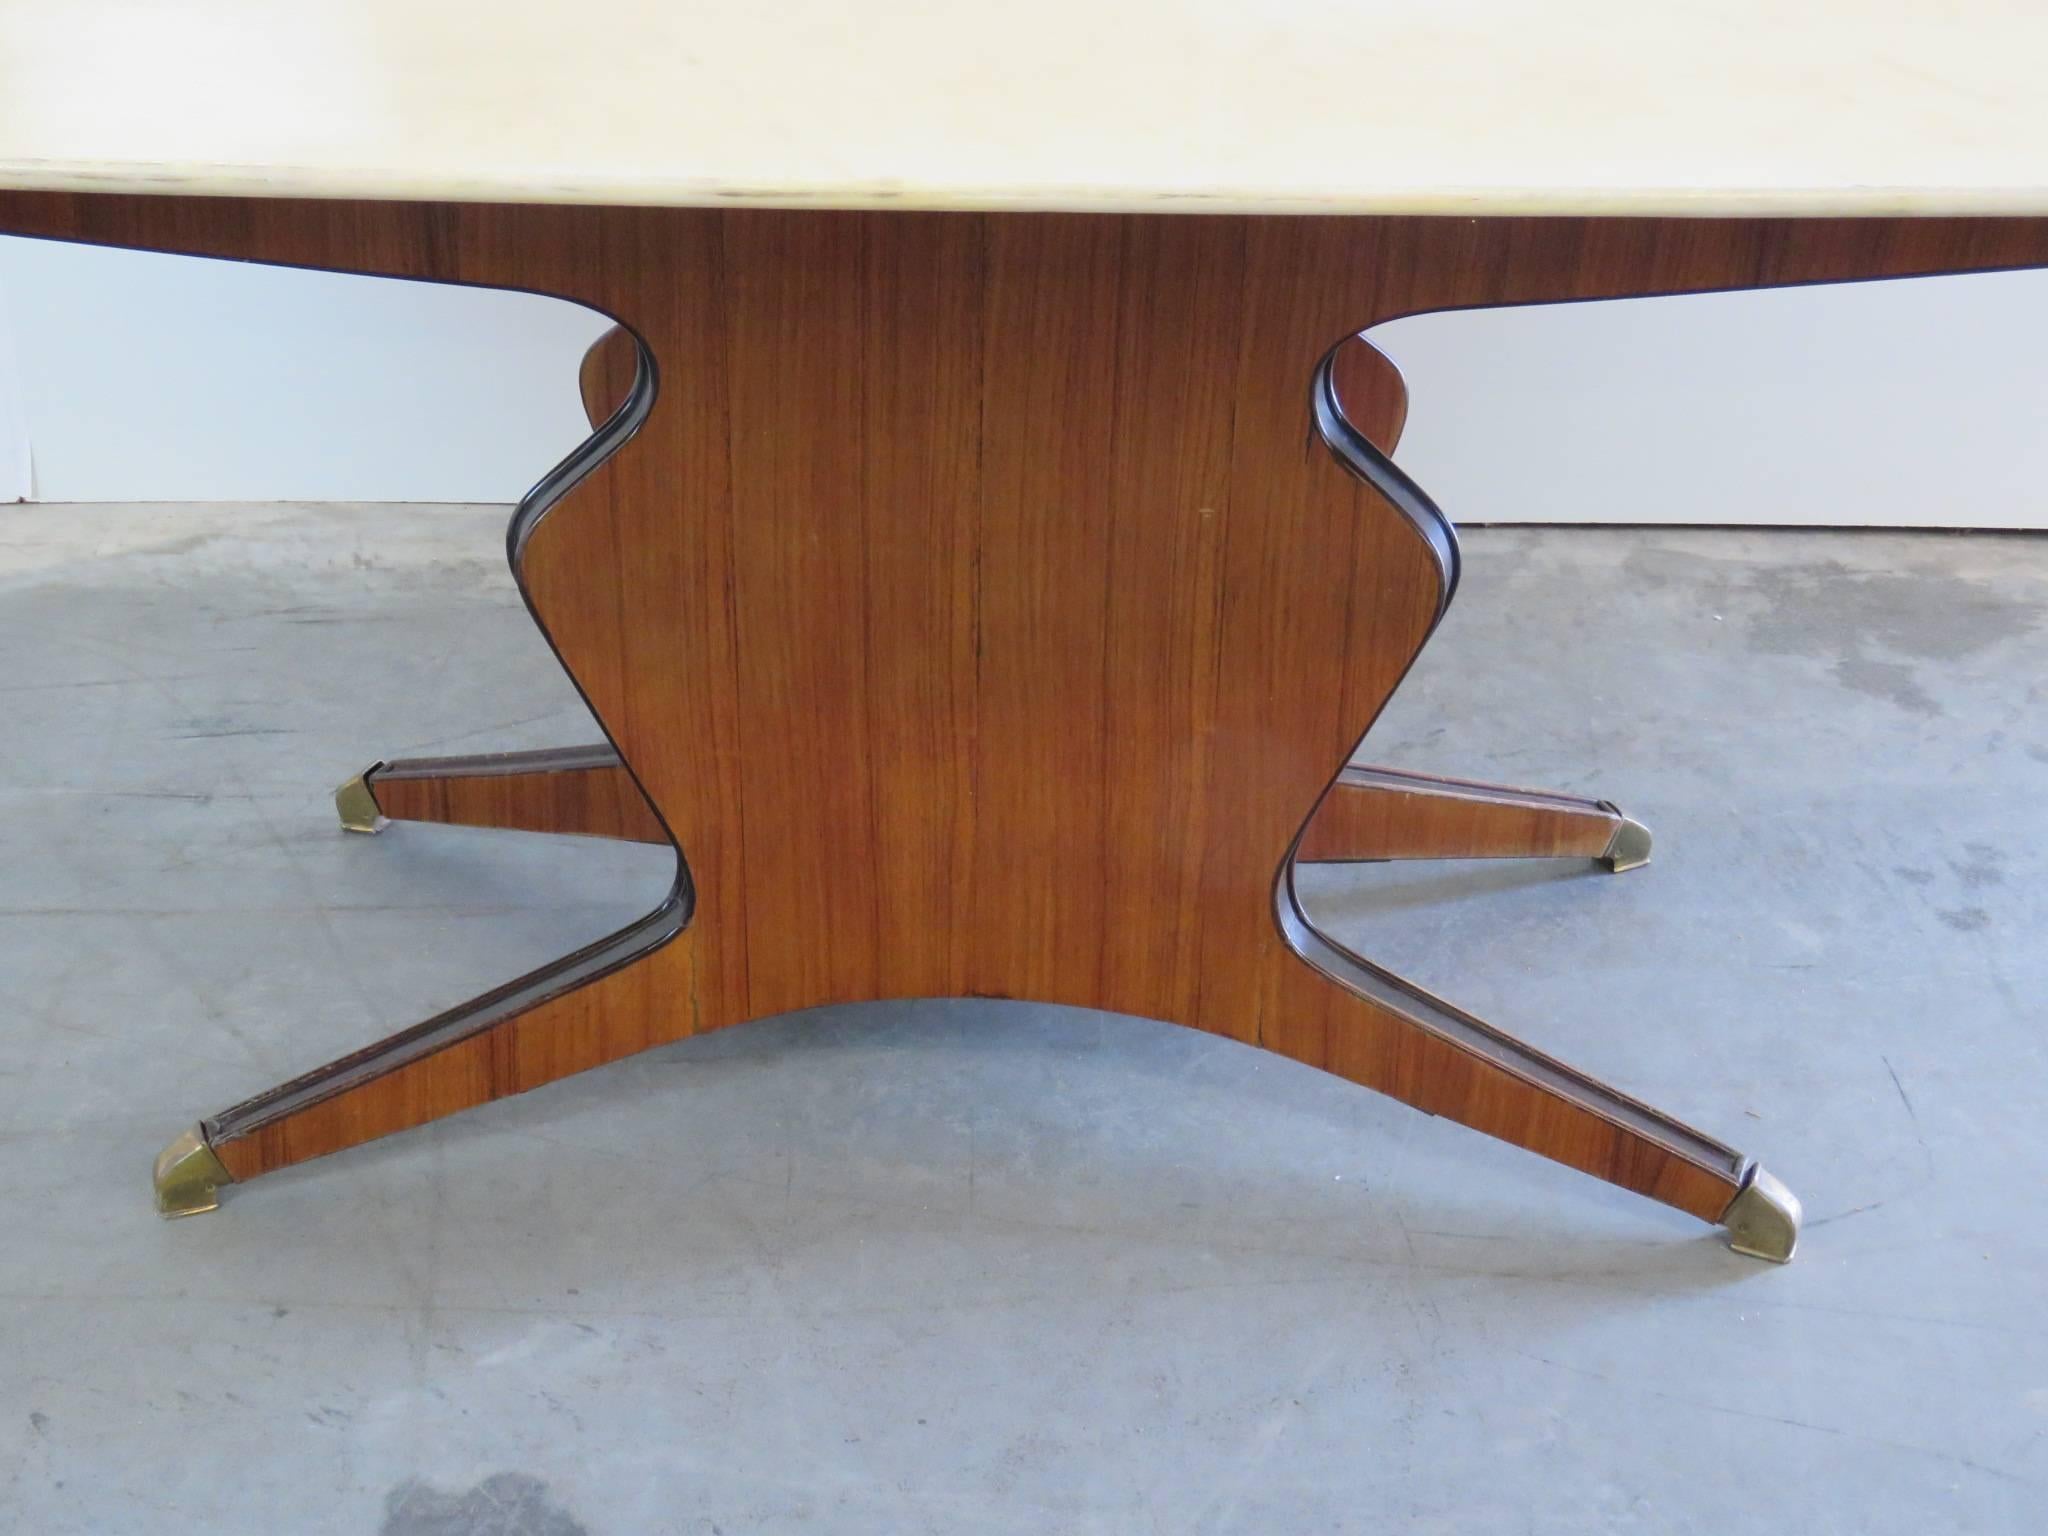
point(988, 556)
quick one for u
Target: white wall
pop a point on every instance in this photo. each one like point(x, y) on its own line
point(1919, 403)
point(14, 466)
point(160, 378)
point(1915, 403)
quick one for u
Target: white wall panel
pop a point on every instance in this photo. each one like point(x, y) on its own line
point(1919, 403)
point(157, 378)
point(15, 479)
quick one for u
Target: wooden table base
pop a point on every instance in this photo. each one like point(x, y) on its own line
point(989, 606)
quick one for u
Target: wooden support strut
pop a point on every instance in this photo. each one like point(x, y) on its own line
point(1383, 813)
point(581, 790)
point(977, 613)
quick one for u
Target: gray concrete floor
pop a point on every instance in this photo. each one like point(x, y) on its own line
point(957, 1266)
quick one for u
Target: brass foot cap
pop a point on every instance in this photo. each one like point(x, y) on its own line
point(1763, 1219)
point(1629, 848)
point(356, 803)
point(188, 1176)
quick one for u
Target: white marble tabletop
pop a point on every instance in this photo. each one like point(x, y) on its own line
point(1419, 106)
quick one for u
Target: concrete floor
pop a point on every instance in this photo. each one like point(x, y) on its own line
point(953, 1266)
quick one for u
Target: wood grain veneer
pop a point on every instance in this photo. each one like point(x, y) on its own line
point(1381, 813)
point(980, 615)
point(580, 790)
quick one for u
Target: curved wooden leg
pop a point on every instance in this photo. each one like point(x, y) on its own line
point(1375, 813)
point(584, 791)
point(1377, 1029)
point(623, 995)
point(1318, 1002)
point(1385, 813)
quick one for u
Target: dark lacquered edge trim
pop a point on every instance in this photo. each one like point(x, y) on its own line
point(493, 765)
point(550, 981)
point(1494, 1045)
point(1371, 776)
point(1374, 982)
point(1362, 459)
